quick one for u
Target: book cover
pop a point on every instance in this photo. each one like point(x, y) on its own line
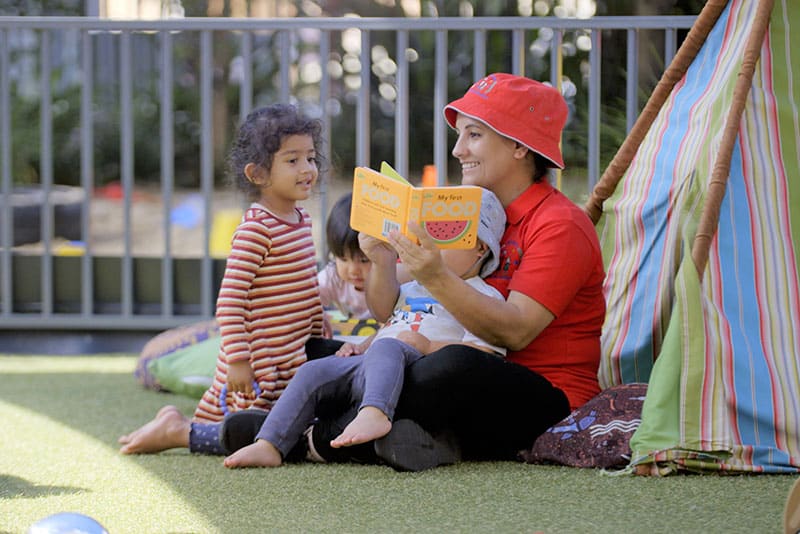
point(385, 201)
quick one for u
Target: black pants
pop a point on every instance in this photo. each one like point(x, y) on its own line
point(495, 408)
point(318, 347)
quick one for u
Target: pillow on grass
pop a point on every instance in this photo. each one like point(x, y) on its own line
point(183, 359)
point(168, 342)
point(187, 371)
point(595, 435)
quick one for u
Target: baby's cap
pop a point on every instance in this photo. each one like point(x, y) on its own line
point(491, 228)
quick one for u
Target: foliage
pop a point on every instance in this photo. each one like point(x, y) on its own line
point(15, 8)
point(342, 104)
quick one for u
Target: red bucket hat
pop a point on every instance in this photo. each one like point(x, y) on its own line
point(519, 108)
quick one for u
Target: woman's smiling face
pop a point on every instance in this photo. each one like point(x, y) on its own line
point(485, 155)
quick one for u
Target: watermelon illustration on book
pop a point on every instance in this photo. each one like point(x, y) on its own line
point(385, 201)
point(446, 232)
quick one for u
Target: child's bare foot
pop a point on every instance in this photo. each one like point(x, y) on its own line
point(369, 424)
point(168, 429)
point(262, 453)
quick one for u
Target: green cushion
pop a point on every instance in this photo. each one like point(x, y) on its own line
point(188, 370)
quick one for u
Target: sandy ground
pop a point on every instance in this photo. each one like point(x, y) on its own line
point(187, 238)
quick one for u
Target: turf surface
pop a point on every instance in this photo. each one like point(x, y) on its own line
point(62, 415)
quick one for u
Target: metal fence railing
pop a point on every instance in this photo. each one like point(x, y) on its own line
point(118, 129)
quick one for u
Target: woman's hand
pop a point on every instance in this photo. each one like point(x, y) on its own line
point(240, 378)
point(327, 328)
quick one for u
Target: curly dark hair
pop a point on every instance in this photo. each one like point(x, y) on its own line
point(260, 137)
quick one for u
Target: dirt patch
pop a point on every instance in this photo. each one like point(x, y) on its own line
point(187, 213)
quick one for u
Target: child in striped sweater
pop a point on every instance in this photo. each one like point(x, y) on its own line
point(269, 303)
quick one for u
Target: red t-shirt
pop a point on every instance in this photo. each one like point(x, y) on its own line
point(550, 252)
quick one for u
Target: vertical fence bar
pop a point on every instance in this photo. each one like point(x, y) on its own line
point(593, 163)
point(401, 106)
point(46, 171)
point(6, 238)
point(670, 45)
point(87, 171)
point(324, 97)
point(439, 102)
point(284, 40)
point(556, 78)
point(126, 167)
point(479, 55)
point(632, 80)
point(518, 52)
point(363, 105)
point(206, 163)
point(555, 58)
point(167, 170)
point(246, 87)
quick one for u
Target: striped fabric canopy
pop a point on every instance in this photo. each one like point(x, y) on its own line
point(717, 339)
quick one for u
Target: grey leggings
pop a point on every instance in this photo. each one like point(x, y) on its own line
point(372, 379)
point(204, 437)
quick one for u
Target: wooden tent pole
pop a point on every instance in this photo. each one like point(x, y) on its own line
point(709, 218)
point(677, 68)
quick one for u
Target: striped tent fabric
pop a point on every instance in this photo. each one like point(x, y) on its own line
point(719, 342)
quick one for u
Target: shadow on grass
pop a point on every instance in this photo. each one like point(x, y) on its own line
point(100, 398)
point(12, 487)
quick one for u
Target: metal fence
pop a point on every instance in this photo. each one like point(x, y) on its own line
point(78, 84)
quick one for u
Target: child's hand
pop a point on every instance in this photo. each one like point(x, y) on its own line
point(416, 340)
point(240, 378)
point(327, 329)
point(375, 250)
point(349, 349)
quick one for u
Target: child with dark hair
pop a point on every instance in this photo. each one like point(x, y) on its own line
point(341, 281)
point(269, 305)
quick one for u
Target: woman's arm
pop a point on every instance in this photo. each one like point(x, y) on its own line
point(382, 287)
point(512, 323)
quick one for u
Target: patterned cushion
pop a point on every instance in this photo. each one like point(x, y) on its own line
point(595, 435)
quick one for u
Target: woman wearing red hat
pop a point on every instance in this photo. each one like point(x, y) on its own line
point(460, 403)
point(551, 272)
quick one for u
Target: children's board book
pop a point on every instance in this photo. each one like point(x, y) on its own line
point(385, 201)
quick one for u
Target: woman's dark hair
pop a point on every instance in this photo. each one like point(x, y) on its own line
point(342, 240)
point(542, 166)
point(260, 136)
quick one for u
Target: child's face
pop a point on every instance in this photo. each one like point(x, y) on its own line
point(353, 269)
point(294, 172)
point(464, 262)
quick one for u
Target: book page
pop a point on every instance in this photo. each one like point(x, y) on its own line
point(388, 170)
point(450, 214)
point(380, 203)
point(385, 201)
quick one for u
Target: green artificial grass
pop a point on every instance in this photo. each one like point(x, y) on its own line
point(62, 415)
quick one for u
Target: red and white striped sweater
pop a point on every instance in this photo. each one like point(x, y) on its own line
point(268, 307)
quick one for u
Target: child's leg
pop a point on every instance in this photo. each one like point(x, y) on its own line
point(204, 438)
point(259, 454)
point(169, 429)
point(296, 409)
point(381, 377)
